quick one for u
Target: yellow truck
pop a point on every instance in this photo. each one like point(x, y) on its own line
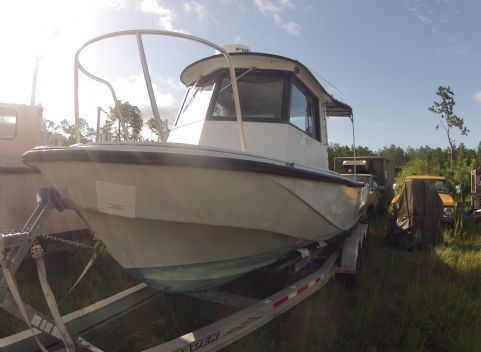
point(440, 185)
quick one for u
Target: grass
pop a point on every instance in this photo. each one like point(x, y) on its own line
point(406, 301)
point(62, 271)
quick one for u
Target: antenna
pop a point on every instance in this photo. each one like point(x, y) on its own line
point(325, 80)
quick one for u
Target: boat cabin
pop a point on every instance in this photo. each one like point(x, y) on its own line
point(283, 106)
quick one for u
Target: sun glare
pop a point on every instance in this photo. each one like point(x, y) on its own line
point(50, 32)
point(33, 30)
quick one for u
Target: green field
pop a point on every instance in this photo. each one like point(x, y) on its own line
point(406, 301)
point(417, 301)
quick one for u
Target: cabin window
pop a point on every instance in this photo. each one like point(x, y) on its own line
point(302, 113)
point(260, 95)
point(196, 102)
point(8, 123)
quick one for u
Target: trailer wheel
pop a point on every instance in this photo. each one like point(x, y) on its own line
point(354, 250)
point(351, 281)
point(364, 244)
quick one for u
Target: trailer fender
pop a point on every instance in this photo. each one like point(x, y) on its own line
point(352, 250)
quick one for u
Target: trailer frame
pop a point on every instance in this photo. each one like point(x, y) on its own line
point(345, 259)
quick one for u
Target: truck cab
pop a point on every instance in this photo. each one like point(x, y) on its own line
point(374, 193)
point(378, 166)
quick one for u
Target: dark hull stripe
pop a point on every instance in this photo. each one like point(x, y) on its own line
point(18, 170)
point(184, 160)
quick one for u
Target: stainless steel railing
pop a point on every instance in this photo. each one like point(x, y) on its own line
point(138, 34)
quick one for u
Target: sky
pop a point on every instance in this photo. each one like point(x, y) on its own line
point(384, 58)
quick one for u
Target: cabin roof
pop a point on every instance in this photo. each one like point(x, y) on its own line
point(426, 177)
point(208, 65)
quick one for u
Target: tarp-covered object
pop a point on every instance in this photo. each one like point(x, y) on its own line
point(417, 216)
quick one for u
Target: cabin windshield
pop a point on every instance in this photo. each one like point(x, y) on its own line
point(439, 185)
point(260, 94)
point(196, 102)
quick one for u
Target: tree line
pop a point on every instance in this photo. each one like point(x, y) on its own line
point(424, 160)
point(455, 162)
point(64, 133)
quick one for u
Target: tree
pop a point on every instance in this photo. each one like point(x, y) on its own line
point(64, 133)
point(478, 155)
point(132, 119)
point(394, 153)
point(51, 133)
point(164, 129)
point(447, 119)
point(87, 134)
point(335, 150)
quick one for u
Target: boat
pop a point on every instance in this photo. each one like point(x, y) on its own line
point(242, 179)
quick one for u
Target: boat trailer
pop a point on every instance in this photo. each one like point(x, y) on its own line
point(55, 330)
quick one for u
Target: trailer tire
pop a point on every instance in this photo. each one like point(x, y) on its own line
point(351, 281)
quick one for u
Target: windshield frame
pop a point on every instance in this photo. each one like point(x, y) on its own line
point(289, 80)
point(223, 73)
point(196, 85)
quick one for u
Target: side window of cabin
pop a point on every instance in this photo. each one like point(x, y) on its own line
point(260, 96)
point(302, 113)
point(196, 102)
point(8, 123)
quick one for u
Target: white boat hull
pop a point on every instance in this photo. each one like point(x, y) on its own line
point(184, 228)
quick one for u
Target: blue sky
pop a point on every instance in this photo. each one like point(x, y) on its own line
point(386, 58)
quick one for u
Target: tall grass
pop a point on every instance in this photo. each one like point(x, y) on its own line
point(406, 301)
point(104, 279)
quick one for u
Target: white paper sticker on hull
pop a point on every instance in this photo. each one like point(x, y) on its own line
point(115, 199)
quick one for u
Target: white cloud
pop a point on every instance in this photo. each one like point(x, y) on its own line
point(173, 83)
point(275, 9)
point(477, 97)
point(437, 15)
point(128, 89)
point(133, 90)
point(167, 16)
point(112, 4)
point(240, 6)
point(423, 15)
point(196, 8)
point(291, 27)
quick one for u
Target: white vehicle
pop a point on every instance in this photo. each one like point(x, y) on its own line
point(21, 130)
point(374, 193)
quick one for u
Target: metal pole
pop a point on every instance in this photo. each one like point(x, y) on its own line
point(77, 117)
point(97, 136)
point(148, 82)
point(99, 110)
point(354, 146)
point(34, 81)
point(235, 94)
